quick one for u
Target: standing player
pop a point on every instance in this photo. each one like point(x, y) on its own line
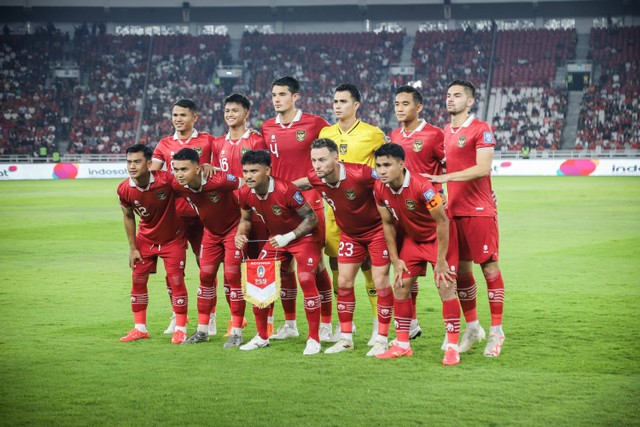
point(289, 136)
point(227, 155)
point(216, 204)
point(357, 141)
point(411, 200)
point(423, 145)
point(294, 233)
point(160, 234)
point(184, 114)
point(347, 189)
point(469, 145)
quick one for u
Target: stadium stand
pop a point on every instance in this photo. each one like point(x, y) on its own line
point(609, 111)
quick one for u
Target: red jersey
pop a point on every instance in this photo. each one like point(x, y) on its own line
point(471, 198)
point(410, 205)
point(290, 144)
point(167, 147)
point(351, 198)
point(215, 202)
point(155, 205)
point(278, 209)
point(423, 148)
point(227, 153)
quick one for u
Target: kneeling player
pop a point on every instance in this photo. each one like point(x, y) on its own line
point(149, 195)
point(293, 234)
point(413, 202)
point(348, 189)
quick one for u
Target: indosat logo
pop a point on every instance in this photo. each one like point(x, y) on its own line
point(577, 167)
point(4, 173)
point(65, 171)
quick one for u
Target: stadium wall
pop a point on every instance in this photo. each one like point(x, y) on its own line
point(516, 167)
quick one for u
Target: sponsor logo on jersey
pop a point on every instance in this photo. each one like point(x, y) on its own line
point(297, 196)
point(417, 145)
point(350, 193)
point(429, 194)
point(343, 149)
point(488, 138)
point(301, 135)
point(231, 177)
point(161, 195)
point(462, 141)
point(277, 210)
point(198, 150)
point(411, 205)
point(214, 197)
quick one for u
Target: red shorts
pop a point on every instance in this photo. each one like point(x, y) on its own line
point(306, 251)
point(416, 254)
point(477, 238)
point(193, 232)
point(354, 250)
point(173, 255)
point(216, 249)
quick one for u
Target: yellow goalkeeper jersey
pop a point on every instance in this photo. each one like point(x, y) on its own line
point(358, 144)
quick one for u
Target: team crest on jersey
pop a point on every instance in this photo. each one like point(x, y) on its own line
point(417, 145)
point(198, 150)
point(161, 195)
point(243, 151)
point(462, 141)
point(343, 149)
point(350, 193)
point(411, 205)
point(214, 197)
point(301, 135)
point(277, 210)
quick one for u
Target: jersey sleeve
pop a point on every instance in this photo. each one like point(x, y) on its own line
point(377, 194)
point(485, 138)
point(159, 154)
point(378, 138)
point(242, 199)
point(294, 198)
point(430, 197)
point(222, 181)
point(257, 142)
point(314, 181)
point(122, 200)
point(438, 148)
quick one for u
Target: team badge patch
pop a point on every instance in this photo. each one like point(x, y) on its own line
point(428, 195)
point(161, 195)
point(350, 193)
point(198, 150)
point(374, 174)
point(214, 197)
point(411, 205)
point(297, 196)
point(301, 135)
point(462, 141)
point(231, 177)
point(488, 138)
point(243, 151)
point(417, 145)
point(277, 210)
point(343, 149)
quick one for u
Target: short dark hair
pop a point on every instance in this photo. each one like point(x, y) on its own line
point(392, 150)
point(140, 148)
point(469, 87)
point(186, 103)
point(256, 157)
point(327, 143)
point(238, 98)
point(288, 81)
point(417, 96)
point(187, 154)
point(351, 88)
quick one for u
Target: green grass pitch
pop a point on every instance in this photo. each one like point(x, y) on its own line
point(570, 256)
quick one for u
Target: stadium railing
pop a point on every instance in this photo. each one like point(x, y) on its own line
point(549, 154)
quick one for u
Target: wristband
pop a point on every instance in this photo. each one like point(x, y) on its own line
point(284, 240)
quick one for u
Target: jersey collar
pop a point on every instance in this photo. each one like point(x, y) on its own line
point(132, 183)
point(194, 134)
point(357, 122)
point(272, 187)
point(421, 126)
point(297, 118)
point(202, 183)
point(245, 136)
point(405, 184)
point(466, 123)
point(343, 176)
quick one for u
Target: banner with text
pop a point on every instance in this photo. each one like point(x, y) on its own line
point(518, 167)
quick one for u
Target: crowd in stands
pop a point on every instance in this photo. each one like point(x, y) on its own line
point(609, 111)
point(442, 56)
point(321, 62)
point(99, 113)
